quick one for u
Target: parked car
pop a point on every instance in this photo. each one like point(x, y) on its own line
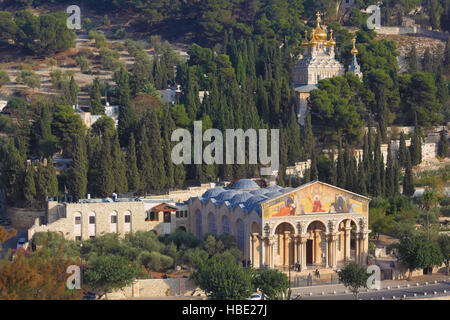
point(21, 242)
point(255, 296)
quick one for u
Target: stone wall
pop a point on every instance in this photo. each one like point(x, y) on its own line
point(156, 288)
point(23, 218)
point(412, 30)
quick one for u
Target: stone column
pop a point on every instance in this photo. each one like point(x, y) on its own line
point(253, 248)
point(356, 248)
point(303, 252)
point(280, 248)
point(316, 246)
point(334, 250)
point(271, 255)
point(295, 250)
point(286, 248)
point(261, 251)
point(327, 251)
point(347, 238)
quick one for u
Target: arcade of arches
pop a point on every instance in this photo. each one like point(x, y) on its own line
point(318, 247)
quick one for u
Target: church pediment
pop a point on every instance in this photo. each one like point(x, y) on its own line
point(315, 198)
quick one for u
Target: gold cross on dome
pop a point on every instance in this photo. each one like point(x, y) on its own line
point(318, 17)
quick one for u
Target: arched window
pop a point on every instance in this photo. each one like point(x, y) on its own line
point(113, 222)
point(240, 226)
point(127, 221)
point(198, 225)
point(225, 225)
point(212, 227)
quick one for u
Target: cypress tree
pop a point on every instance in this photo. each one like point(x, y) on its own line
point(95, 103)
point(362, 188)
point(396, 189)
point(78, 181)
point(389, 174)
point(41, 185)
point(29, 186)
point(167, 129)
point(415, 149)
point(126, 112)
point(408, 185)
point(427, 61)
point(402, 151)
point(144, 160)
point(412, 60)
point(158, 180)
point(340, 170)
point(73, 89)
point(442, 86)
point(51, 179)
point(119, 167)
point(308, 136)
point(442, 151)
point(377, 175)
point(132, 169)
point(106, 179)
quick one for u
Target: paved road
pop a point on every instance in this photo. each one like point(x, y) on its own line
point(398, 293)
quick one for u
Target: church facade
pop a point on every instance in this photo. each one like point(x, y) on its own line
point(318, 62)
point(316, 225)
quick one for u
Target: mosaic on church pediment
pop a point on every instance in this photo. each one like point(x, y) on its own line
point(317, 198)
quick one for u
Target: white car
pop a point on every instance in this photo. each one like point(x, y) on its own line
point(21, 242)
point(255, 296)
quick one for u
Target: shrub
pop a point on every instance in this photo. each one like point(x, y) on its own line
point(120, 33)
point(83, 63)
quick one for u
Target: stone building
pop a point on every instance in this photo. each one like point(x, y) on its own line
point(318, 62)
point(92, 217)
point(317, 224)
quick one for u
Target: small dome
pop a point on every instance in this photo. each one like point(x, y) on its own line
point(225, 195)
point(261, 191)
point(245, 184)
point(253, 201)
point(274, 188)
point(211, 193)
point(240, 198)
point(273, 194)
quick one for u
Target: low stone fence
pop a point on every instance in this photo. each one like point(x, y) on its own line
point(156, 288)
point(413, 30)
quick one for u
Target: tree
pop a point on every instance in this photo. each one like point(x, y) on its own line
point(107, 273)
point(132, 169)
point(408, 184)
point(36, 276)
point(13, 170)
point(415, 149)
point(65, 125)
point(223, 280)
point(5, 235)
point(416, 252)
point(78, 181)
point(272, 283)
point(354, 277)
point(402, 156)
point(4, 77)
point(119, 168)
point(429, 199)
point(444, 244)
point(29, 186)
point(412, 60)
point(95, 104)
point(106, 175)
point(442, 151)
point(126, 113)
point(427, 61)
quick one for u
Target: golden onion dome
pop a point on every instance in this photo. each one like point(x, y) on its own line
point(313, 41)
point(354, 50)
point(331, 42)
point(321, 35)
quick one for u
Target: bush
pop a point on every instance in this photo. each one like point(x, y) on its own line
point(29, 78)
point(4, 77)
point(110, 59)
point(83, 63)
point(120, 33)
point(88, 25)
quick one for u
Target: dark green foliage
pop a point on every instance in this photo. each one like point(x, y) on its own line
point(272, 283)
point(119, 167)
point(408, 185)
point(132, 169)
point(443, 145)
point(354, 277)
point(78, 180)
point(416, 252)
point(95, 103)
